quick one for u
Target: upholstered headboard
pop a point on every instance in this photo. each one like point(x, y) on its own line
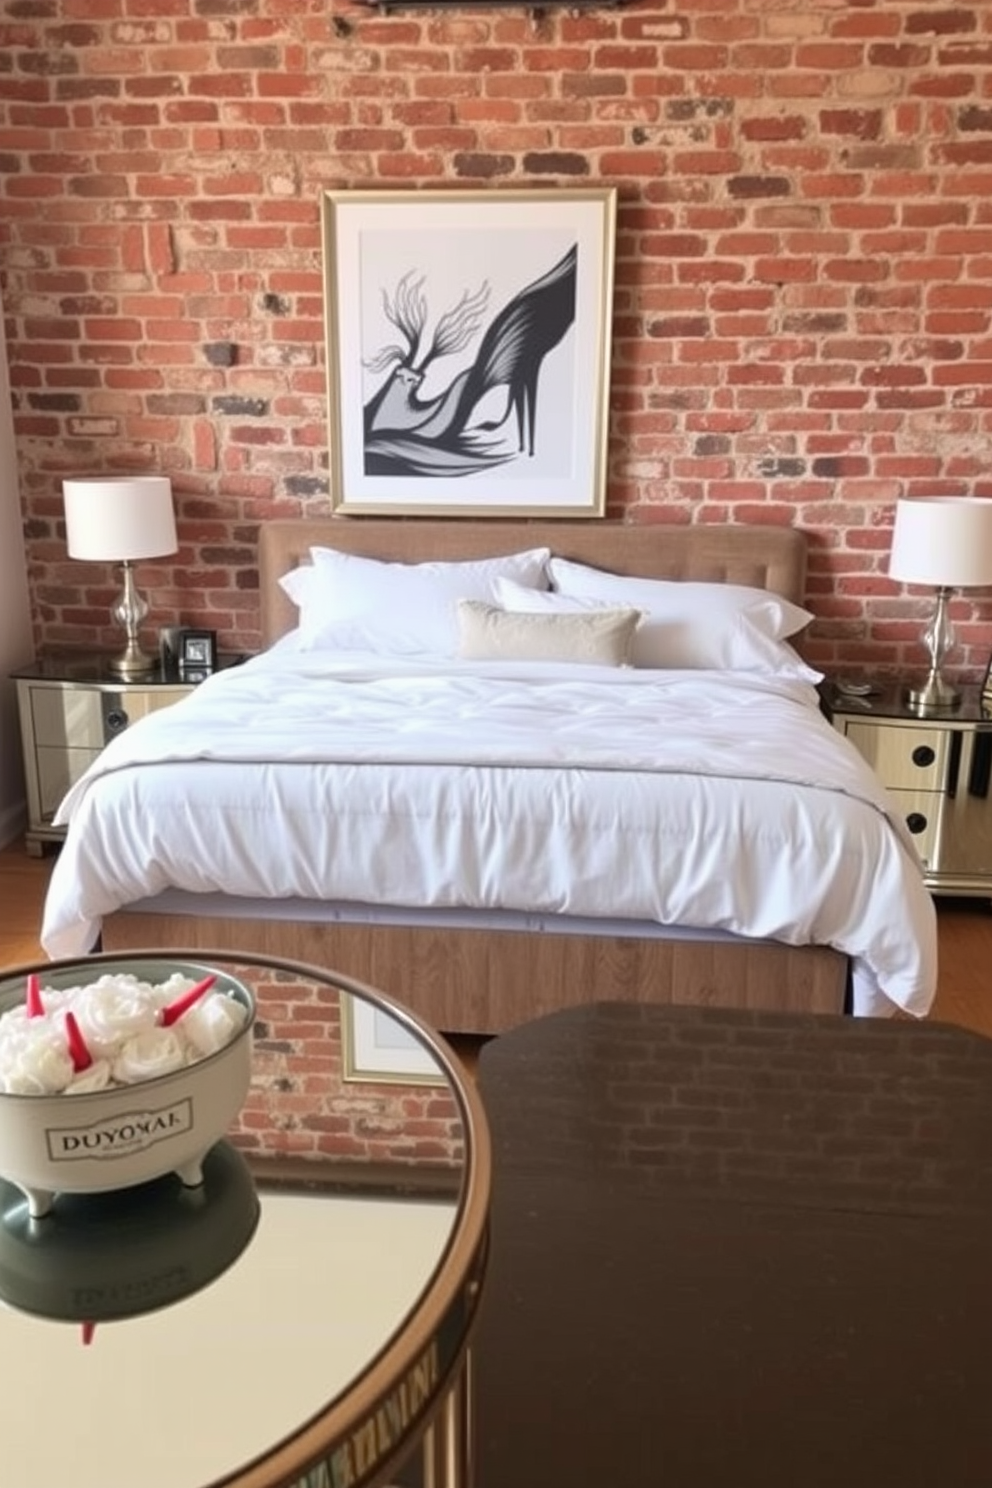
point(765, 557)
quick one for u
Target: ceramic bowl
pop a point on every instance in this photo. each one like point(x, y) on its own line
point(110, 1139)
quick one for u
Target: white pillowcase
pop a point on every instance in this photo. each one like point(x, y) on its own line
point(597, 636)
point(686, 624)
point(348, 603)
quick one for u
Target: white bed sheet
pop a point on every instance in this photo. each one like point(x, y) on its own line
point(704, 799)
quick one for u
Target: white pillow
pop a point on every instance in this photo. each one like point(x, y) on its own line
point(521, 601)
point(727, 627)
point(597, 636)
point(348, 603)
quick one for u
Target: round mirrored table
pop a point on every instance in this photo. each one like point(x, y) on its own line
point(301, 1317)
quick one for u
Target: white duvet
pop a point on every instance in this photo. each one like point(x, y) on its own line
point(702, 799)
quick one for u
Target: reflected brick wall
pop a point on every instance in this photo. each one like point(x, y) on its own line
point(844, 1112)
point(301, 1103)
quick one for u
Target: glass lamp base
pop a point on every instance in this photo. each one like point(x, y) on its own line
point(937, 695)
point(129, 611)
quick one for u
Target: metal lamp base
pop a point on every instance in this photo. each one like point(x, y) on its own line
point(935, 696)
point(132, 663)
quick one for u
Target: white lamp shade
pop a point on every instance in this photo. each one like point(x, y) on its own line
point(118, 517)
point(943, 541)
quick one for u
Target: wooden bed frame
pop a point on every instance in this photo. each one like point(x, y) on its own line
point(484, 981)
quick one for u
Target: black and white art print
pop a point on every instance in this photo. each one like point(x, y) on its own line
point(468, 342)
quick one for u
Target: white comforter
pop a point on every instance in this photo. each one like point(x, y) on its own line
point(703, 799)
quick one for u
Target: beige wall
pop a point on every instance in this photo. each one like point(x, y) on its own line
point(15, 616)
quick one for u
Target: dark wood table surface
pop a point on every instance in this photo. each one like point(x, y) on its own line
point(734, 1249)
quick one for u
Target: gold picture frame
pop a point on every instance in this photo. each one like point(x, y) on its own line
point(468, 350)
point(378, 1048)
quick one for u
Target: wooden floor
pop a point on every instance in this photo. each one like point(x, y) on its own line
point(22, 888)
point(965, 987)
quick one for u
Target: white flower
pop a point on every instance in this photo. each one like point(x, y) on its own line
point(157, 1051)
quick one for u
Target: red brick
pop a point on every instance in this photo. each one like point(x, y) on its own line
point(802, 271)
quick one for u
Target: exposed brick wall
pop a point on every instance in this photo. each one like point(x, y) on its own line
point(803, 317)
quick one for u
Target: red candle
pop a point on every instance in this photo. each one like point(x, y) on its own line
point(78, 1052)
point(175, 1009)
point(35, 1006)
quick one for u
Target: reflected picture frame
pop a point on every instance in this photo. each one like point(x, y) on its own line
point(378, 1048)
point(468, 339)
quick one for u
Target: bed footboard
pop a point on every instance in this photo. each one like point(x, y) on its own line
point(487, 981)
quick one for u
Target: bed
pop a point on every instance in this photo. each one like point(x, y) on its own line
point(488, 942)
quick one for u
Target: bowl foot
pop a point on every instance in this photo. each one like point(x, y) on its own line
point(190, 1174)
point(40, 1200)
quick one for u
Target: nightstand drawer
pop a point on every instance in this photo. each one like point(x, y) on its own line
point(136, 702)
point(57, 770)
point(904, 758)
point(921, 810)
point(63, 716)
point(89, 717)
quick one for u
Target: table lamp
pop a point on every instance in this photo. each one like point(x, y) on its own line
point(120, 519)
point(945, 542)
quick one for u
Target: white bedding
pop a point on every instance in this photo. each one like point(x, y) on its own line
point(578, 790)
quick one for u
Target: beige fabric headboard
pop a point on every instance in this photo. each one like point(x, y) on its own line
point(764, 557)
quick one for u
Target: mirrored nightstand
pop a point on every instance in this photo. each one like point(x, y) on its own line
point(70, 706)
point(938, 769)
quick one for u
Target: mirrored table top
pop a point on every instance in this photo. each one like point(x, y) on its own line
point(301, 1307)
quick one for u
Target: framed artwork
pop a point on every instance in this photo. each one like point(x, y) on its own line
point(197, 654)
point(468, 346)
point(378, 1047)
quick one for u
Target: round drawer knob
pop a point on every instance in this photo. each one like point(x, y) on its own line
point(117, 719)
point(923, 755)
point(916, 822)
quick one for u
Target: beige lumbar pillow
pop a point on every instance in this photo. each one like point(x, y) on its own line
point(600, 637)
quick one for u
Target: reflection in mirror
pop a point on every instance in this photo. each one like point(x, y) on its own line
point(340, 1080)
point(308, 1234)
point(107, 1256)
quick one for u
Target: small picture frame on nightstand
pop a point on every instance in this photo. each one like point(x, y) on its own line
point(197, 654)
